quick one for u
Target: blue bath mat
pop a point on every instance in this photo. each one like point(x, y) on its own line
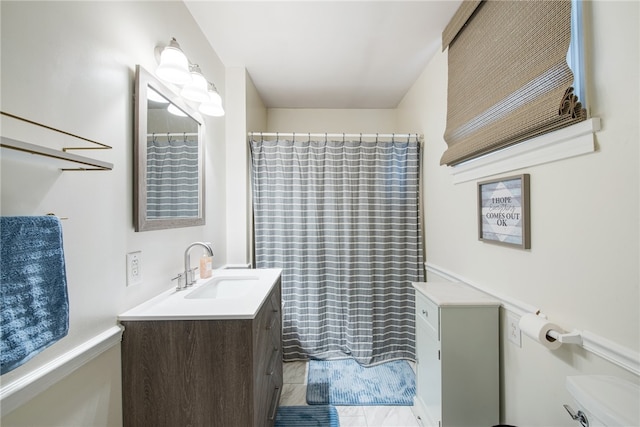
point(346, 382)
point(307, 416)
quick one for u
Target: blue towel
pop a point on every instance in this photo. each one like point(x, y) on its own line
point(33, 288)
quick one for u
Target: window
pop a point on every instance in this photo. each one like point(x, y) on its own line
point(509, 74)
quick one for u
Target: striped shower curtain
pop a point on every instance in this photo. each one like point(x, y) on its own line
point(341, 219)
point(172, 176)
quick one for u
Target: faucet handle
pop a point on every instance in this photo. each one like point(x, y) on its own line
point(181, 281)
point(191, 276)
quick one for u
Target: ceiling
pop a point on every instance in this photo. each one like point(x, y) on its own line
point(326, 54)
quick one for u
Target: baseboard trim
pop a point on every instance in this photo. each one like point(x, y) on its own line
point(19, 391)
point(600, 346)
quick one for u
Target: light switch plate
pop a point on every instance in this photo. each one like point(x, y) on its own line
point(513, 329)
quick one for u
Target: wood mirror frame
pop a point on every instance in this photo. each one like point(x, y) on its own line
point(151, 121)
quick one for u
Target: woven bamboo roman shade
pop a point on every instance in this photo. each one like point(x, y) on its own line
point(508, 75)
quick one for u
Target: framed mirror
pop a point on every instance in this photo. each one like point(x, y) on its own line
point(168, 158)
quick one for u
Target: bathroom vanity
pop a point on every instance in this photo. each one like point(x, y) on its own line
point(210, 355)
point(457, 342)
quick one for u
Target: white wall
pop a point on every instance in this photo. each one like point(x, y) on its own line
point(256, 122)
point(71, 65)
point(246, 113)
point(236, 137)
point(582, 269)
point(256, 110)
point(313, 120)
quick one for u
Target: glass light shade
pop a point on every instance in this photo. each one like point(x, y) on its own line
point(215, 97)
point(212, 107)
point(196, 89)
point(174, 65)
point(176, 111)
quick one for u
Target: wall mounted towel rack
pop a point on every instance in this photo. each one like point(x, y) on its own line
point(89, 164)
point(62, 218)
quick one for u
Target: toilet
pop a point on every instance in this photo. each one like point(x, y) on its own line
point(602, 400)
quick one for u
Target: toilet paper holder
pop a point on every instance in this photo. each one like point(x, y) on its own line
point(573, 337)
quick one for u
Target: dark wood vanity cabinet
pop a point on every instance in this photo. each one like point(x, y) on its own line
point(209, 373)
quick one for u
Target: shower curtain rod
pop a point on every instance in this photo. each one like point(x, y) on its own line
point(337, 135)
point(173, 134)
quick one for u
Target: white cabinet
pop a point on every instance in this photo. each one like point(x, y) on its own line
point(457, 347)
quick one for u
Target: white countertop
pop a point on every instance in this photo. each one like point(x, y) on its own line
point(449, 293)
point(173, 304)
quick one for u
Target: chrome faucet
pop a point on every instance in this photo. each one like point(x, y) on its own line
point(188, 271)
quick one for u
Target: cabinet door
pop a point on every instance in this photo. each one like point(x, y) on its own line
point(268, 359)
point(429, 371)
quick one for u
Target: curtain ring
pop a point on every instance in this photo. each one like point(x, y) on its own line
point(294, 137)
point(361, 138)
point(343, 136)
point(309, 136)
point(169, 138)
point(376, 137)
point(325, 137)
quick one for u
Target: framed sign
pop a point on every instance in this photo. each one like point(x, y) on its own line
point(503, 211)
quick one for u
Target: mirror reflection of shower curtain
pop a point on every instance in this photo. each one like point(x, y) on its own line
point(341, 218)
point(172, 176)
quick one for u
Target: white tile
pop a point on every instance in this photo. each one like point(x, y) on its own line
point(350, 411)
point(390, 416)
point(294, 372)
point(353, 421)
point(293, 395)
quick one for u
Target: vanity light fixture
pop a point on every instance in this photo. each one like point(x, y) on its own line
point(174, 65)
point(213, 106)
point(196, 89)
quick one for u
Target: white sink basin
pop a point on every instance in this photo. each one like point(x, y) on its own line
point(228, 294)
point(225, 287)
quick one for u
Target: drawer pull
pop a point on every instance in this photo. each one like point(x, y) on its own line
point(270, 368)
point(274, 404)
point(425, 313)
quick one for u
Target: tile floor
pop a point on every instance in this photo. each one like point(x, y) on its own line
point(294, 393)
